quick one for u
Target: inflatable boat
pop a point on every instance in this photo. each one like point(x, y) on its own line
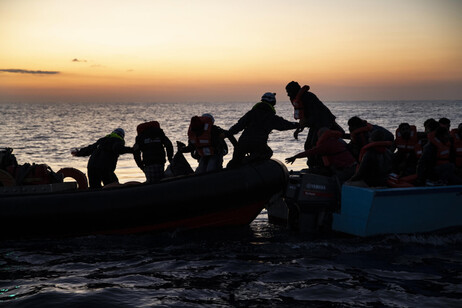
point(229, 197)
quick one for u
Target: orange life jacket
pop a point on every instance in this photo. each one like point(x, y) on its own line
point(203, 142)
point(457, 146)
point(376, 144)
point(410, 145)
point(325, 136)
point(298, 103)
point(359, 135)
point(443, 149)
point(143, 126)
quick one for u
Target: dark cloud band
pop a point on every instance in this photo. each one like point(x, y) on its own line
point(18, 71)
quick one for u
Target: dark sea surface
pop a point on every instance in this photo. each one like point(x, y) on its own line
point(262, 265)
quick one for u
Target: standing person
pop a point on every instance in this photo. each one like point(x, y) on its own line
point(104, 154)
point(207, 140)
point(149, 150)
point(257, 124)
point(312, 113)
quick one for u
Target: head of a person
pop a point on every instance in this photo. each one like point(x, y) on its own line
point(442, 134)
point(292, 89)
point(196, 125)
point(210, 116)
point(355, 122)
point(405, 130)
point(431, 125)
point(445, 122)
point(269, 98)
point(119, 132)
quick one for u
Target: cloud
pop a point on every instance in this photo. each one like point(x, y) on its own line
point(78, 60)
point(19, 71)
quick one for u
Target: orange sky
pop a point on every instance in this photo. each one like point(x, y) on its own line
point(194, 51)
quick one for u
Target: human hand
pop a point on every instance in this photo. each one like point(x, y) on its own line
point(290, 160)
point(297, 131)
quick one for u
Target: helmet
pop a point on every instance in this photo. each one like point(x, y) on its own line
point(208, 115)
point(269, 97)
point(119, 131)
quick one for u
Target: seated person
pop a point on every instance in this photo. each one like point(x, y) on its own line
point(456, 149)
point(434, 165)
point(336, 158)
point(374, 162)
point(408, 150)
point(360, 132)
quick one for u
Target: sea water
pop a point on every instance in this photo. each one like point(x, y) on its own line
point(258, 266)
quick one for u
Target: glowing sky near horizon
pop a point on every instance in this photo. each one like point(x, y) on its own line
point(177, 51)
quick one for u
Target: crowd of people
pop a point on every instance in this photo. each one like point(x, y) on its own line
point(372, 157)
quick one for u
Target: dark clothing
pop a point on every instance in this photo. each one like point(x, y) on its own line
point(149, 150)
point(257, 124)
point(427, 168)
point(337, 158)
point(361, 139)
point(316, 115)
point(150, 147)
point(104, 154)
point(374, 168)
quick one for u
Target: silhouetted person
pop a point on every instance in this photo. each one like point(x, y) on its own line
point(257, 124)
point(150, 148)
point(360, 133)
point(374, 162)
point(207, 141)
point(408, 150)
point(337, 159)
point(435, 165)
point(312, 113)
point(104, 154)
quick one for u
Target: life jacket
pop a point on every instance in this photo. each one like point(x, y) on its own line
point(378, 145)
point(298, 103)
point(443, 149)
point(457, 146)
point(361, 135)
point(143, 126)
point(325, 136)
point(149, 138)
point(410, 145)
point(28, 174)
point(203, 142)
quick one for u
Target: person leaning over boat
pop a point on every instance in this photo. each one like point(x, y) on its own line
point(336, 157)
point(104, 154)
point(374, 162)
point(312, 113)
point(149, 149)
point(207, 141)
point(360, 132)
point(256, 125)
point(435, 165)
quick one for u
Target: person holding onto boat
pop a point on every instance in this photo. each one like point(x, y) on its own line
point(360, 133)
point(312, 113)
point(256, 125)
point(149, 150)
point(336, 157)
point(206, 140)
point(104, 154)
point(375, 162)
point(435, 166)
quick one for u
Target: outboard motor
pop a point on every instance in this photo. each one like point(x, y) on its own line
point(311, 199)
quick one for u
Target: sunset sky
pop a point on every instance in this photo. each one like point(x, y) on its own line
point(217, 51)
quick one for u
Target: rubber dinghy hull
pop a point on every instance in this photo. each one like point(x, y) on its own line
point(223, 198)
